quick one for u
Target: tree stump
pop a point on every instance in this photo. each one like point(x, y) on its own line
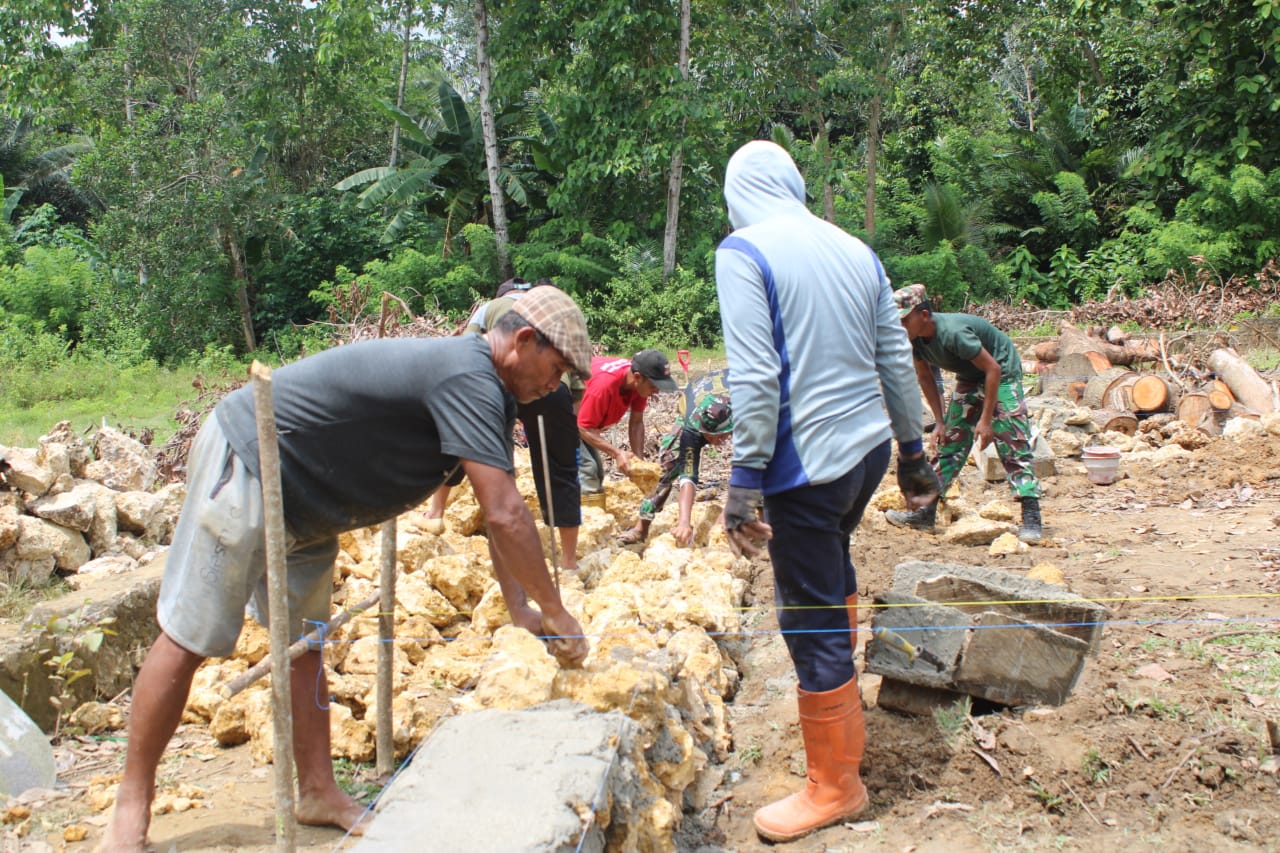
point(1152, 393)
point(1098, 392)
point(1194, 410)
point(1220, 396)
point(1072, 368)
point(1113, 420)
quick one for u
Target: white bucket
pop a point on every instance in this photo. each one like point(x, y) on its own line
point(1101, 464)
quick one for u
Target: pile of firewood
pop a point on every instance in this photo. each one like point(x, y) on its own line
point(1204, 387)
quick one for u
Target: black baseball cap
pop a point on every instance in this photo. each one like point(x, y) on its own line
point(653, 365)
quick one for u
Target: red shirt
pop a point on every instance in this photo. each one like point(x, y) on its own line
point(605, 401)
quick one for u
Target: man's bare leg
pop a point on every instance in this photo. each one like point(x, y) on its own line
point(320, 801)
point(568, 548)
point(159, 695)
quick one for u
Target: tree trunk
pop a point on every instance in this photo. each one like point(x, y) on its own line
point(674, 181)
point(405, 41)
point(240, 275)
point(1111, 420)
point(1101, 390)
point(496, 203)
point(873, 140)
point(1246, 385)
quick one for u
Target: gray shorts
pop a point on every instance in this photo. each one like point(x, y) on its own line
point(217, 564)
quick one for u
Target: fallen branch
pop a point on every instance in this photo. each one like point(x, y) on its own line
point(1081, 802)
point(1138, 747)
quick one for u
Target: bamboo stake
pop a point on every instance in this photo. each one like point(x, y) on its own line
point(385, 745)
point(298, 649)
point(551, 507)
point(278, 597)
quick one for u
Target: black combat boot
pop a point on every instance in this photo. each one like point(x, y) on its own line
point(916, 519)
point(1030, 531)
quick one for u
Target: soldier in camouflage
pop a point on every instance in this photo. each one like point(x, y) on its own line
point(987, 403)
point(703, 417)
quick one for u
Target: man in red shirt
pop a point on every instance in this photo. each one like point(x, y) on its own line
point(617, 386)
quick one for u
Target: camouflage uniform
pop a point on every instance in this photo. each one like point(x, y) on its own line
point(704, 408)
point(1012, 435)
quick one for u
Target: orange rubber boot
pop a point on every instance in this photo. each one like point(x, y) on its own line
point(834, 738)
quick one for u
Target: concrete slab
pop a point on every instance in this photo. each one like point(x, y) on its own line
point(549, 778)
point(26, 758)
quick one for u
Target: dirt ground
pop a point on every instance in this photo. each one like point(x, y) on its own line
point(1163, 744)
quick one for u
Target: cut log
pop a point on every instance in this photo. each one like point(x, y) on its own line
point(1221, 388)
point(1220, 400)
point(1097, 391)
point(1046, 352)
point(1194, 409)
point(1075, 391)
point(1099, 361)
point(1072, 368)
point(1112, 420)
point(1152, 393)
point(1245, 384)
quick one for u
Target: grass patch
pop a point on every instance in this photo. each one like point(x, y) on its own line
point(86, 390)
point(1263, 359)
point(17, 598)
point(358, 779)
point(953, 721)
point(1251, 660)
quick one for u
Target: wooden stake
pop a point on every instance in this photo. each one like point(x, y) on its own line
point(262, 667)
point(385, 744)
point(551, 507)
point(278, 603)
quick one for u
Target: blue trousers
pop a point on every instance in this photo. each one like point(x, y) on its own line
point(812, 570)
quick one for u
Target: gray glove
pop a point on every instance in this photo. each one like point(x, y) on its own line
point(742, 507)
point(916, 477)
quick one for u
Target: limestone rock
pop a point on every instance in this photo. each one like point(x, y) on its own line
point(78, 453)
point(74, 509)
point(349, 737)
point(236, 719)
point(416, 595)
point(136, 511)
point(519, 673)
point(122, 463)
point(997, 511)
point(645, 475)
point(1047, 572)
point(1065, 444)
point(20, 469)
point(8, 526)
point(491, 613)
point(96, 717)
point(39, 539)
point(974, 530)
point(462, 580)
point(1006, 544)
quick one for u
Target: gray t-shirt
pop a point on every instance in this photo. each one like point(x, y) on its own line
point(371, 429)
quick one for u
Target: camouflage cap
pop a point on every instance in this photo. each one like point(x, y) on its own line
point(554, 313)
point(713, 415)
point(909, 298)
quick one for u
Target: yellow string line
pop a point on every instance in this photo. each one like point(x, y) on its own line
point(1008, 602)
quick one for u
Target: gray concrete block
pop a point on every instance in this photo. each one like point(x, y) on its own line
point(26, 758)
point(998, 636)
point(1015, 662)
point(988, 461)
point(549, 778)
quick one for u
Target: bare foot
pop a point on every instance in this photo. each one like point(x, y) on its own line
point(334, 809)
point(127, 832)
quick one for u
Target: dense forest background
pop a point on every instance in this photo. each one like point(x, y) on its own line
point(184, 178)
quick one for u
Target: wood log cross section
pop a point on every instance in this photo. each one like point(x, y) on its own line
point(1096, 371)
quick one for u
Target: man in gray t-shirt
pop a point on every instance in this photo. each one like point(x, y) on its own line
point(366, 431)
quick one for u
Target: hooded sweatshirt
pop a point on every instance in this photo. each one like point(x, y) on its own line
point(816, 351)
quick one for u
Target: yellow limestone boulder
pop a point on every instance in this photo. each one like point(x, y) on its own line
point(518, 674)
point(206, 687)
point(462, 578)
point(417, 597)
point(645, 475)
point(457, 662)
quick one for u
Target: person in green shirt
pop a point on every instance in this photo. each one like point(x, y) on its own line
point(987, 403)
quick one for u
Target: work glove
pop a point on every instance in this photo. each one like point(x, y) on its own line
point(917, 481)
point(742, 507)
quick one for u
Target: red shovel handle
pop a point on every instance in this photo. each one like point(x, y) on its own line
point(683, 357)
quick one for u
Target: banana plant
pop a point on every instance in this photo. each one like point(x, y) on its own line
point(443, 171)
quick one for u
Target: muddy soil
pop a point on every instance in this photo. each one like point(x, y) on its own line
point(1162, 745)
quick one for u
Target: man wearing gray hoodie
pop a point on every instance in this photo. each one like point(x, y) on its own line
point(822, 380)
